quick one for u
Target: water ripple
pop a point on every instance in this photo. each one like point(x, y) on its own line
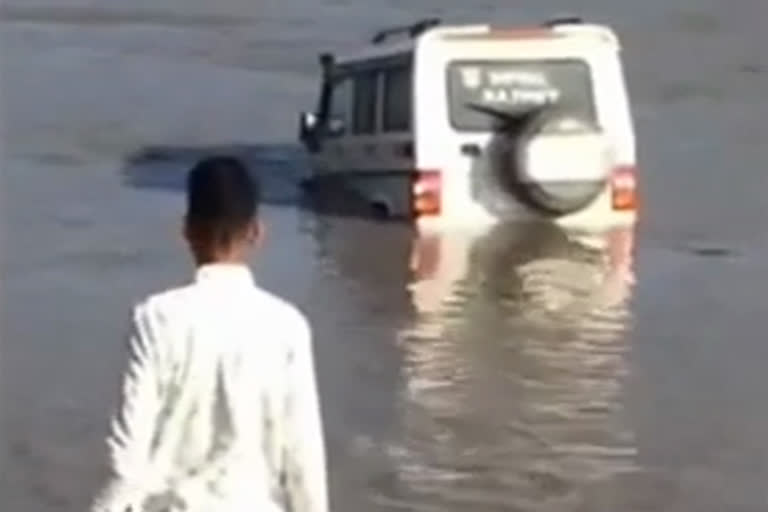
point(515, 404)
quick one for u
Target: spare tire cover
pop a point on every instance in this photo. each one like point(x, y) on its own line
point(556, 164)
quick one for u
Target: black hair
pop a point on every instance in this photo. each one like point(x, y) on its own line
point(222, 199)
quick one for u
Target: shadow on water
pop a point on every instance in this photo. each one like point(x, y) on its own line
point(513, 360)
point(280, 169)
point(277, 166)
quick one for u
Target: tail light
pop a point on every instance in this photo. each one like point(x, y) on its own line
point(624, 188)
point(426, 193)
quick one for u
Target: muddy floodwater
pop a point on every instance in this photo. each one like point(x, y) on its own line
point(518, 369)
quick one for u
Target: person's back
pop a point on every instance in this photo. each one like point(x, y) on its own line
point(220, 410)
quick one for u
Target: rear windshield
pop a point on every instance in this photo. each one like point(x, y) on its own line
point(515, 84)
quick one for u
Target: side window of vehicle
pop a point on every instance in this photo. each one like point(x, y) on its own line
point(366, 99)
point(397, 99)
point(339, 109)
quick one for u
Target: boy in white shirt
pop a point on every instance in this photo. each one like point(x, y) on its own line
point(219, 410)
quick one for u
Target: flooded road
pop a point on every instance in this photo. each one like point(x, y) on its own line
point(515, 370)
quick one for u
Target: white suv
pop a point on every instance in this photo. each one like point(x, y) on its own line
point(472, 125)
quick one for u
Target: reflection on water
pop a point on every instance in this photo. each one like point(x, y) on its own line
point(512, 362)
point(514, 369)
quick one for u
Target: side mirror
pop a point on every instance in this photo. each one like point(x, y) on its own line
point(308, 124)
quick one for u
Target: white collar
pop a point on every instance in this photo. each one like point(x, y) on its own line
point(225, 273)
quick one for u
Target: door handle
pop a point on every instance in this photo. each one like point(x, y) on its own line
point(471, 150)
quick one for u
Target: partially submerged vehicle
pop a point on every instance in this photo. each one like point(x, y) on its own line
point(473, 124)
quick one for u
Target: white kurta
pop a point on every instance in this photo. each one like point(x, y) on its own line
point(220, 411)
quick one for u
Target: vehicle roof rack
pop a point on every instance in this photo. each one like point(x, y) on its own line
point(412, 30)
point(564, 20)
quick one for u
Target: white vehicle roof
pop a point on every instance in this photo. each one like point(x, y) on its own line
point(568, 31)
